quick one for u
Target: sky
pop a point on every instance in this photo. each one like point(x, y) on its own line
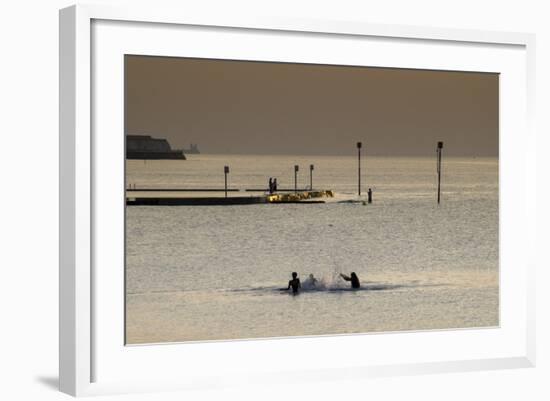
point(247, 107)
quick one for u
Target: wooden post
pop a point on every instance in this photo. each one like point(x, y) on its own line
point(296, 168)
point(311, 167)
point(226, 171)
point(439, 151)
point(359, 145)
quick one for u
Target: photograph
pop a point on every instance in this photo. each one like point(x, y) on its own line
point(274, 199)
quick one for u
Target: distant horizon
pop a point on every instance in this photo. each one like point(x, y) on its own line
point(364, 151)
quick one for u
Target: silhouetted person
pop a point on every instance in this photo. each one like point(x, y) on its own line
point(311, 281)
point(270, 185)
point(275, 185)
point(370, 195)
point(353, 278)
point(294, 283)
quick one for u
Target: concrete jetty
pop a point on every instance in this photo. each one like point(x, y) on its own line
point(181, 190)
point(279, 190)
point(195, 201)
point(294, 197)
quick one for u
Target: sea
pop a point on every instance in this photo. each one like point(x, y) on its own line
point(208, 273)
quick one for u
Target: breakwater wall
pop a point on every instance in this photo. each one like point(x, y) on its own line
point(295, 197)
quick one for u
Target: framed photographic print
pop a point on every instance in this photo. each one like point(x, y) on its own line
point(282, 200)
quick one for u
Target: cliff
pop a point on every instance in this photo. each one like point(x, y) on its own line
point(148, 148)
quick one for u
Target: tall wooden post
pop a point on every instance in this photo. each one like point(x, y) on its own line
point(296, 168)
point(359, 145)
point(311, 167)
point(226, 171)
point(439, 151)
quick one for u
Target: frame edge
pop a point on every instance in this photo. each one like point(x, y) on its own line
point(74, 201)
point(530, 46)
point(67, 111)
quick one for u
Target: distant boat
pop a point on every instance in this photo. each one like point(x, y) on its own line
point(145, 147)
point(193, 149)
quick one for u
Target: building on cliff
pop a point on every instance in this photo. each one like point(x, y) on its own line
point(148, 148)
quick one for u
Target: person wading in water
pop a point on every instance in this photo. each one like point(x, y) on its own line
point(294, 283)
point(353, 278)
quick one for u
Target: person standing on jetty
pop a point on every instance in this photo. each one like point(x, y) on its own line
point(294, 283)
point(274, 185)
point(270, 185)
point(353, 278)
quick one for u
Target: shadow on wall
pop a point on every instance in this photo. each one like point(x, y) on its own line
point(50, 382)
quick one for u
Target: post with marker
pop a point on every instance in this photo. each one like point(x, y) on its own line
point(226, 171)
point(296, 168)
point(359, 145)
point(439, 151)
point(311, 167)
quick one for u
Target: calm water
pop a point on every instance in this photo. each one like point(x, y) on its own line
point(214, 272)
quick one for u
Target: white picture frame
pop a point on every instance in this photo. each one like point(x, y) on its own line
point(93, 358)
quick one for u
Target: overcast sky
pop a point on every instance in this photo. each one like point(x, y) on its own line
point(276, 108)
